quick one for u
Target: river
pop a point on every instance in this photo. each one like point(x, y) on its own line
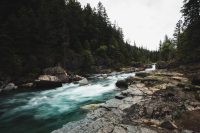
point(46, 110)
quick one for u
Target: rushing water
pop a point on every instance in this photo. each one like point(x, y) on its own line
point(47, 110)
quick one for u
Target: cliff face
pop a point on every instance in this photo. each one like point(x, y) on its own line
point(158, 102)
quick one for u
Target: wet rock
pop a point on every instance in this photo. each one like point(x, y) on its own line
point(142, 74)
point(77, 78)
point(120, 97)
point(168, 125)
point(27, 85)
point(83, 82)
point(122, 84)
point(91, 106)
point(10, 86)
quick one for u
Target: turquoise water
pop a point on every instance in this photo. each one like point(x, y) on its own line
point(47, 110)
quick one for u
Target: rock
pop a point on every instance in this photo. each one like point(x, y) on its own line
point(149, 111)
point(168, 125)
point(91, 106)
point(27, 85)
point(63, 77)
point(104, 75)
point(10, 86)
point(77, 78)
point(187, 131)
point(118, 129)
point(55, 74)
point(83, 82)
point(132, 80)
point(106, 129)
point(142, 74)
point(196, 79)
point(139, 69)
point(122, 84)
point(46, 84)
point(48, 78)
point(120, 97)
point(138, 129)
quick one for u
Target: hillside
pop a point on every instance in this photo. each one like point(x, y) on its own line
point(38, 34)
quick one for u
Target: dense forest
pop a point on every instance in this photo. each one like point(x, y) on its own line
point(37, 34)
point(184, 47)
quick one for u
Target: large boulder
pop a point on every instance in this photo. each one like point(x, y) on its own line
point(83, 82)
point(122, 84)
point(56, 74)
point(10, 86)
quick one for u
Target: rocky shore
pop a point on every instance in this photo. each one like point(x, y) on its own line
point(157, 102)
point(56, 76)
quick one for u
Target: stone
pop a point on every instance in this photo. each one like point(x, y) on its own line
point(139, 129)
point(118, 129)
point(132, 80)
point(83, 82)
point(10, 86)
point(106, 129)
point(48, 78)
point(104, 75)
point(122, 84)
point(63, 77)
point(91, 106)
point(120, 97)
point(77, 78)
point(27, 85)
point(168, 125)
point(142, 74)
point(149, 111)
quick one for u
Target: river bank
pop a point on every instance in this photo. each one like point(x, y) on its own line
point(160, 102)
point(57, 76)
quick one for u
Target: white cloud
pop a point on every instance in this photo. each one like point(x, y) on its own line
point(143, 21)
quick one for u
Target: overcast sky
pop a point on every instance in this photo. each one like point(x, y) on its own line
point(144, 21)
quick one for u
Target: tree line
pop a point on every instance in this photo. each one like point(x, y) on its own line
point(184, 47)
point(37, 34)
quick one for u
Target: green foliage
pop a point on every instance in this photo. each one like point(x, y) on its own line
point(167, 50)
point(188, 38)
point(54, 70)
